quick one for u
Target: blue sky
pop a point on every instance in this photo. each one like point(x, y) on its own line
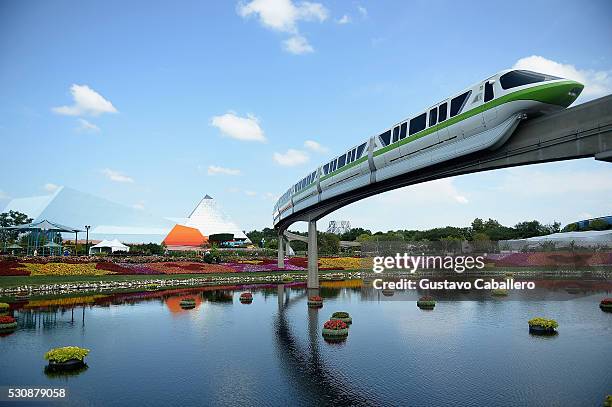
point(154, 104)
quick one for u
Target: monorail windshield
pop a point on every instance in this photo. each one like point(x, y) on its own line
point(513, 79)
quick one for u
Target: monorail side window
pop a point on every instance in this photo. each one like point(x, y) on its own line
point(334, 164)
point(341, 161)
point(403, 130)
point(325, 169)
point(385, 138)
point(418, 123)
point(353, 154)
point(513, 79)
point(457, 103)
point(442, 112)
point(488, 91)
point(433, 117)
point(396, 132)
point(360, 150)
point(313, 176)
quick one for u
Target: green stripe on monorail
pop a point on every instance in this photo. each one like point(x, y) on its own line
point(551, 93)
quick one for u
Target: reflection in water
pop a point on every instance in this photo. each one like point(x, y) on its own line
point(306, 368)
point(472, 350)
point(64, 374)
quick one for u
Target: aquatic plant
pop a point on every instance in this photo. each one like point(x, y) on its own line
point(7, 323)
point(543, 323)
point(426, 302)
point(606, 304)
point(61, 355)
point(342, 316)
point(335, 324)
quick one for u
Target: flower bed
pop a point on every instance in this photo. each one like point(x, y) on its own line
point(606, 305)
point(185, 267)
point(7, 323)
point(335, 330)
point(542, 326)
point(4, 308)
point(12, 268)
point(342, 316)
point(340, 263)
point(246, 298)
point(69, 357)
point(65, 269)
point(315, 301)
point(426, 302)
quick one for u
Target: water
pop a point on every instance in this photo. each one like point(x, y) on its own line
point(471, 353)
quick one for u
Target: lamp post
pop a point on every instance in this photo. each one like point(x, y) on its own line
point(87, 240)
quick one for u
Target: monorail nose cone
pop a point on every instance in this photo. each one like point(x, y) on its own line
point(564, 93)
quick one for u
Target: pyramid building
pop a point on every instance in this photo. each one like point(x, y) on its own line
point(109, 220)
point(206, 219)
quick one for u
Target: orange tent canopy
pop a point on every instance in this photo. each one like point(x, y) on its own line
point(185, 236)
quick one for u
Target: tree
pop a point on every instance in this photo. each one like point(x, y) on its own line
point(598, 224)
point(328, 243)
point(352, 234)
point(12, 218)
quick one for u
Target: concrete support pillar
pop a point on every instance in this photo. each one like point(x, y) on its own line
point(281, 251)
point(280, 293)
point(313, 256)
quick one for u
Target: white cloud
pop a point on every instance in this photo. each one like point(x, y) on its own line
point(214, 170)
point(363, 11)
point(49, 187)
point(596, 83)
point(546, 183)
point(270, 196)
point(345, 19)
point(233, 190)
point(314, 146)
point(139, 205)
point(250, 193)
point(240, 128)
point(4, 195)
point(283, 16)
point(87, 127)
point(297, 45)
point(86, 102)
point(439, 191)
point(291, 158)
point(117, 176)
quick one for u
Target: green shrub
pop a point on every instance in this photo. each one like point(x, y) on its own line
point(64, 354)
point(543, 322)
point(340, 314)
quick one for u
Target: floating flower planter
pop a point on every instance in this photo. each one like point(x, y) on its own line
point(4, 308)
point(287, 279)
point(66, 358)
point(246, 298)
point(606, 305)
point(7, 323)
point(342, 316)
point(187, 303)
point(499, 292)
point(335, 330)
point(315, 302)
point(426, 302)
point(542, 326)
point(608, 401)
point(388, 293)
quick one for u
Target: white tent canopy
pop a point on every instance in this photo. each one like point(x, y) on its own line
point(114, 246)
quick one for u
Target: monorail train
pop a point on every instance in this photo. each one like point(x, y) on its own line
point(480, 117)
